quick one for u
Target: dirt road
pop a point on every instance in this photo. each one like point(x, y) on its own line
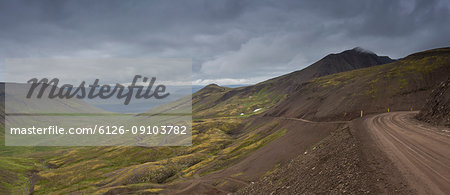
point(421, 152)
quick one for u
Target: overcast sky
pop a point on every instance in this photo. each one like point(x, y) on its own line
point(229, 42)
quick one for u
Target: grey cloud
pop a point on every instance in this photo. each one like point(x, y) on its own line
point(242, 40)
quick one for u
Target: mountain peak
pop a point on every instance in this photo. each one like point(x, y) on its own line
point(347, 60)
point(362, 50)
point(211, 87)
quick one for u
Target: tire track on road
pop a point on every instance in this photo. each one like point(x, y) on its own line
point(420, 152)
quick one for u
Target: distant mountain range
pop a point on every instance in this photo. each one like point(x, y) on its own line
point(196, 88)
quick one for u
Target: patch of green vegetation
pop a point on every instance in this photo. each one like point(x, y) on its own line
point(237, 174)
point(245, 147)
point(373, 88)
point(339, 79)
point(412, 65)
point(16, 163)
point(13, 174)
point(403, 83)
point(235, 102)
point(269, 172)
point(254, 144)
point(93, 167)
point(88, 165)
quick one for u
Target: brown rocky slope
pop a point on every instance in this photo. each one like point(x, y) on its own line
point(437, 107)
point(397, 86)
point(214, 100)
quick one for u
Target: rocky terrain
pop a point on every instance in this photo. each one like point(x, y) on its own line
point(336, 165)
point(437, 107)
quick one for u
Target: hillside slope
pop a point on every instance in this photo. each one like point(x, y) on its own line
point(437, 107)
point(400, 85)
point(214, 100)
point(15, 96)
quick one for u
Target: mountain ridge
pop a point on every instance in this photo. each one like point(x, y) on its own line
point(400, 85)
point(271, 91)
point(344, 61)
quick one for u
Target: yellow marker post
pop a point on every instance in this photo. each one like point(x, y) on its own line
point(361, 113)
point(388, 109)
point(411, 109)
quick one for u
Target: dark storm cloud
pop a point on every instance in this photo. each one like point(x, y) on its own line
point(229, 41)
